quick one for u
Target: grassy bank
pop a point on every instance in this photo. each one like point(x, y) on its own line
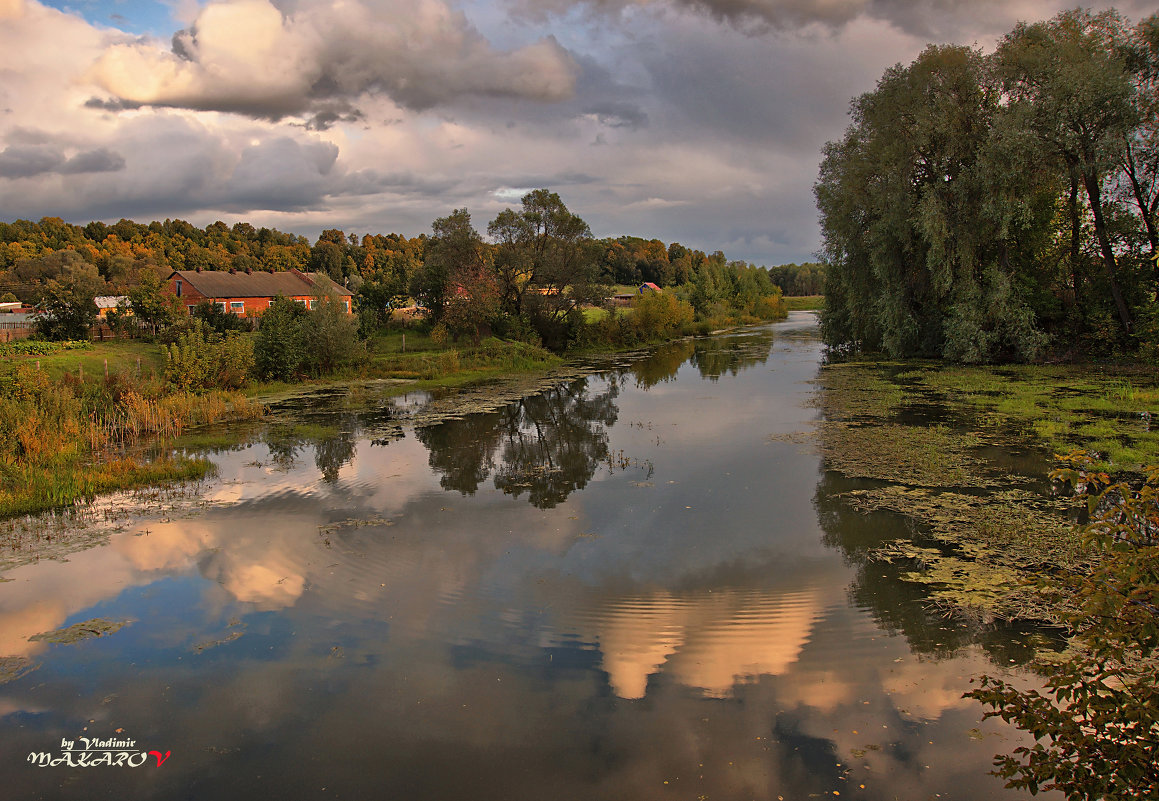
point(120, 356)
point(68, 432)
point(66, 439)
point(803, 302)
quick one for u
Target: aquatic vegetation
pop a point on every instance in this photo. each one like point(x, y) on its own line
point(13, 667)
point(928, 456)
point(989, 544)
point(942, 439)
point(87, 630)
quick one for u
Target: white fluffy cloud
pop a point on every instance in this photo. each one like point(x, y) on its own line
point(250, 57)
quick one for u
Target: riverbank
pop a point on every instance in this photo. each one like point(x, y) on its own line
point(72, 418)
point(68, 433)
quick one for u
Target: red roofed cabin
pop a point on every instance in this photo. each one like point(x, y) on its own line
point(251, 293)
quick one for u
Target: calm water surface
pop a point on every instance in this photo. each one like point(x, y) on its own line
point(634, 585)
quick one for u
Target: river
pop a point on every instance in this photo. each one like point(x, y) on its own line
point(641, 583)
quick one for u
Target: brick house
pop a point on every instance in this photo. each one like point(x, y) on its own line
point(251, 293)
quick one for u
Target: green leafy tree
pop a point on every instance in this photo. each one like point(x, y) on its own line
point(280, 345)
point(921, 238)
point(547, 264)
point(455, 247)
point(151, 303)
point(330, 336)
point(1070, 86)
point(473, 303)
point(1096, 726)
point(66, 308)
point(1139, 161)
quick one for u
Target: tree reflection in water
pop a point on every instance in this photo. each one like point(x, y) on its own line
point(662, 364)
point(547, 445)
point(334, 442)
point(711, 357)
point(716, 356)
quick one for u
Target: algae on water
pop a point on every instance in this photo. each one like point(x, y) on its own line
point(97, 627)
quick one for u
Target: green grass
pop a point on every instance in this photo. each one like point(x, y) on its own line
point(122, 356)
point(803, 302)
point(71, 479)
point(393, 341)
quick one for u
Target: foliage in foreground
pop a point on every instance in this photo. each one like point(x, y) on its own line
point(1097, 725)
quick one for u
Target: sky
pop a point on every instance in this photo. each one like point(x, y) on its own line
point(698, 121)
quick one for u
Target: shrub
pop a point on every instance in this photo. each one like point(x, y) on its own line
point(660, 315)
point(769, 307)
point(218, 319)
point(331, 337)
point(280, 347)
point(203, 359)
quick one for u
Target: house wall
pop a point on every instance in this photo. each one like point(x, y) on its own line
point(251, 306)
point(188, 295)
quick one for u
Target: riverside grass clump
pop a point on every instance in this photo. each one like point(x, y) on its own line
point(453, 365)
point(63, 440)
point(659, 317)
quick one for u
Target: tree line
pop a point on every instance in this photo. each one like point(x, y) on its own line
point(529, 278)
point(986, 207)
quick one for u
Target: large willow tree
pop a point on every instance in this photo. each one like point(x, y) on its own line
point(978, 204)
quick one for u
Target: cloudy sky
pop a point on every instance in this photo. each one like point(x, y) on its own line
point(699, 121)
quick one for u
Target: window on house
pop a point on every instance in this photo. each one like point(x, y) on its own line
point(237, 306)
point(347, 304)
point(191, 307)
point(178, 288)
point(313, 305)
point(221, 305)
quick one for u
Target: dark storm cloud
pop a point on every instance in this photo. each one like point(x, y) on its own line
point(100, 160)
point(29, 161)
point(26, 161)
point(110, 104)
point(331, 114)
point(917, 17)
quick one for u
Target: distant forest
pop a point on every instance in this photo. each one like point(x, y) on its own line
point(1001, 206)
point(34, 252)
point(540, 264)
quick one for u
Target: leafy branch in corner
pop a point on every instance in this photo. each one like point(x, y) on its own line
point(1096, 725)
